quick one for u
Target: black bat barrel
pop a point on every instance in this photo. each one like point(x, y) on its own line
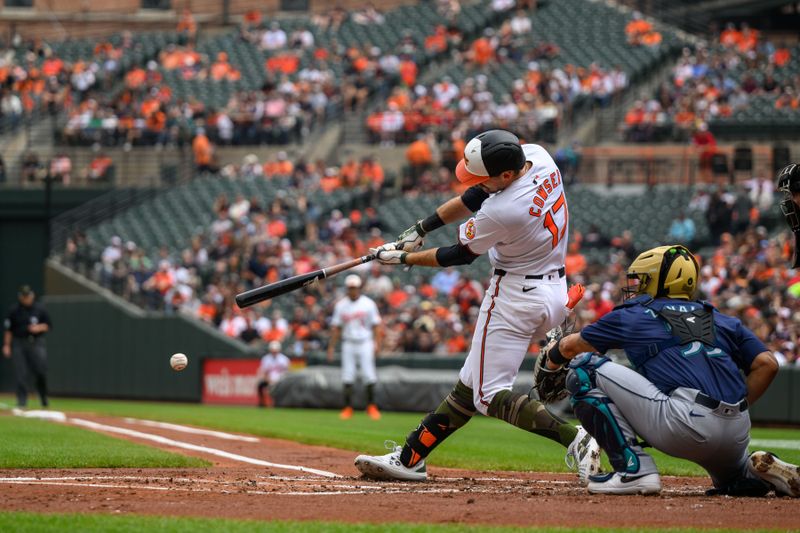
point(267, 292)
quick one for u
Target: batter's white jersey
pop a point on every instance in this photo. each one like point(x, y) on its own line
point(356, 318)
point(524, 227)
point(273, 366)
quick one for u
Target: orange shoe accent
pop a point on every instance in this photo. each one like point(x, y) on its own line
point(574, 295)
point(415, 458)
point(346, 414)
point(372, 411)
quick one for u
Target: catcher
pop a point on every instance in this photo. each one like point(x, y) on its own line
point(686, 397)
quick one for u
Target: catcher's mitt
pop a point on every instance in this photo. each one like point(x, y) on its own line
point(549, 386)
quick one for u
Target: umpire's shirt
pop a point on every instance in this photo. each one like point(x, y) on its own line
point(21, 316)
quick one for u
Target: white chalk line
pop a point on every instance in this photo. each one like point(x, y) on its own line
point(189, 429)
point(194, 447)
point(776, 443)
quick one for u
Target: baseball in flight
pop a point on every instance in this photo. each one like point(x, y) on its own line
point(178, 361)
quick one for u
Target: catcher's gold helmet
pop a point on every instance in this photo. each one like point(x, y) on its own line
point(664, 272)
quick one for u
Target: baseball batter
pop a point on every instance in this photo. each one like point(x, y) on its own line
point(521, 220)
point(357, 321)
point(686, 396)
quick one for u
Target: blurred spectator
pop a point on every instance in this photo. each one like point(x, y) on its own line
point(203, 152)
point(682, 231)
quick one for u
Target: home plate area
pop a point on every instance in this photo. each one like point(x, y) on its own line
point(260, 478)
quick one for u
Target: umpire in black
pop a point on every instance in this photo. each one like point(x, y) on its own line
point(23, 341)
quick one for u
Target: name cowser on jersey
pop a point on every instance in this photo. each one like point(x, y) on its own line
point(524, 227)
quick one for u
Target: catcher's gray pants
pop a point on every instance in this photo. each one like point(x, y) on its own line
point(29, 356)
point(675, 424)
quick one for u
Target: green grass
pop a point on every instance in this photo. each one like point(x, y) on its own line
point(28, 443)
point(87, 523)
point(483, 444)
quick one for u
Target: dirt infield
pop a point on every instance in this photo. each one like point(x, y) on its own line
point(312, 482)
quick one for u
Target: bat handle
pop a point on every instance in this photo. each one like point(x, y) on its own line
point(332, 271)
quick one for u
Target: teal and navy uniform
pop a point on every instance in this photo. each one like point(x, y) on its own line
point(684, 395)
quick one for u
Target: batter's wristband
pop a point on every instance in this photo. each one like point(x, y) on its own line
point(429, 224)
point(555, 355)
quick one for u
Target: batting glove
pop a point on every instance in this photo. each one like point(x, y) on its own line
point(411, 239)
point(388, 254)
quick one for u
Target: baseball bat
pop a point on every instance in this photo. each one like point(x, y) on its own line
point(267, 292)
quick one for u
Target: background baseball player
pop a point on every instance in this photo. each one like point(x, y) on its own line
point(789, 185)
point(687, 396)
point(521, 220)
point(357, 321)
point(274, 365)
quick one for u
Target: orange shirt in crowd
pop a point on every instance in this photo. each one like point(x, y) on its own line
point(781, 57)
point(349, 173)
point(482, 51)
point(286, 63)
point(52, 67)
point(202, 149)
point(408, 72)
point(438, 41)
point(187, 23)
point(156, 121)
point(135, 77)
point(634, 117)
point(419, 153)
point(276, 228)
point(684, 117)
point(574, 263)
point(278, 168)
point(372, 171)
point(730, 37)
point(149, 107)
point(634, 28)
point(329, 183)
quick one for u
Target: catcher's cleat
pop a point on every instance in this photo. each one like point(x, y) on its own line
point(616, 483)
point(574, 295)
point(373, 412)
point(583, 453)
point(784, 477)
point(389, 466)
point(347, 413)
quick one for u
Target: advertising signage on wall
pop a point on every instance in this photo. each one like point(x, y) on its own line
point(230, 381)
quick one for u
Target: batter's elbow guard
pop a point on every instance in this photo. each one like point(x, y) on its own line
point(458, 254)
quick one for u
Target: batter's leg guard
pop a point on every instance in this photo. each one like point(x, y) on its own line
point(531, 415)
point(600, 417)
point(453, 413)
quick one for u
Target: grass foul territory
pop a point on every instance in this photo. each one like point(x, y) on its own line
point(27, 443)
point(483, 444)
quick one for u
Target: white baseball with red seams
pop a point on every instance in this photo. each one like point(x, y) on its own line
point(524, 230)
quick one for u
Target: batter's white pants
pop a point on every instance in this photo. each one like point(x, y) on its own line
point(362, 353)
point(514, 312)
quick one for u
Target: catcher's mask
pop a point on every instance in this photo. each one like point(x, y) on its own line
point(789, 184)
point(663, 272)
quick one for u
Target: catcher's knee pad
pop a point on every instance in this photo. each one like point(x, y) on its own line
point(596, 416)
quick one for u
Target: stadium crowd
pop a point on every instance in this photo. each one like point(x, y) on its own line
point(534, 105)
point(716, 82)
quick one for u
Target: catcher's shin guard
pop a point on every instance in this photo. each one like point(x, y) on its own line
point(455, 411)
point(596, 416)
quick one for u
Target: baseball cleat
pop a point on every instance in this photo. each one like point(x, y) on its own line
point(373, 412)
point(347, 413)
point(616, 483)
point(583, 454)
point(784, 477)
point(389, 466)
